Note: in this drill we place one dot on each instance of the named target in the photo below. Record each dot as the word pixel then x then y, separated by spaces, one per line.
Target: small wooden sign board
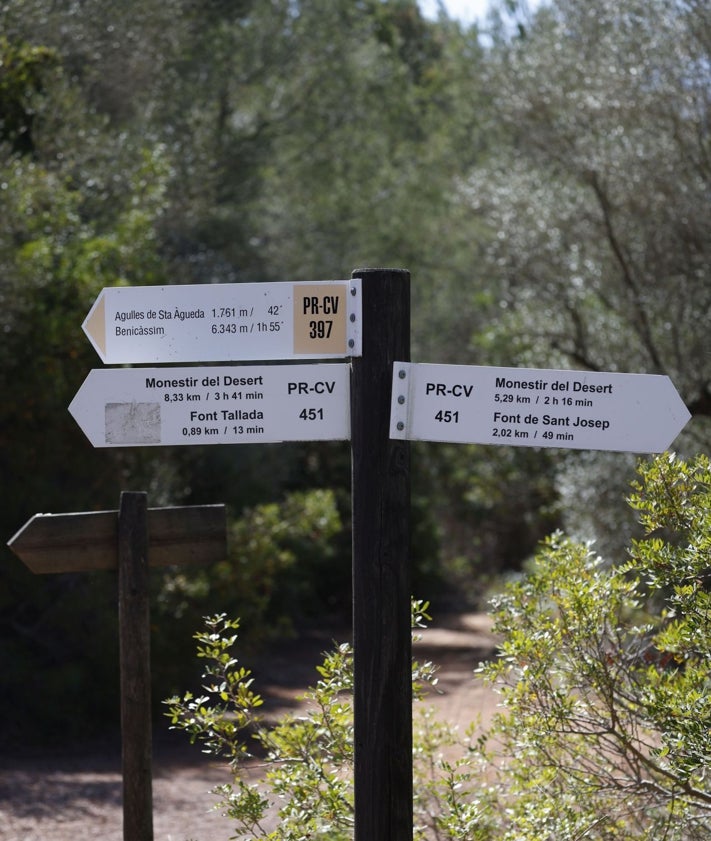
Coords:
pixel 86 541
pixel 129 540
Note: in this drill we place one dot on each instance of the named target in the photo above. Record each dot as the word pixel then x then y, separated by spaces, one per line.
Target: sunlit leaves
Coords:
pixel 599 205
pixel 605 676
pixel 308 756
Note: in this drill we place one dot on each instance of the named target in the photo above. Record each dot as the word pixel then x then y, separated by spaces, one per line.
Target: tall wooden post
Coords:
pixel 381 568
pixel 134 653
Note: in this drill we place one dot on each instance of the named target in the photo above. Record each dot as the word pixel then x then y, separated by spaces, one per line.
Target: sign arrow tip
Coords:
pixel 95 326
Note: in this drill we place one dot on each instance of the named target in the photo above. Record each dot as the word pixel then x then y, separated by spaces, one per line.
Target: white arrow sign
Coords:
pixel 143 407
pixel 528 407
pixel 226 322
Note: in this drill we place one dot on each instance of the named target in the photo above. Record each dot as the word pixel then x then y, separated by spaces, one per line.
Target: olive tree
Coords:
pixel 598 206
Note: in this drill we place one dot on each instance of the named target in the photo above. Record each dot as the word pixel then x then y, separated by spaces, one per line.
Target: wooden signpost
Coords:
pixel 382 641
pixel 389 402
pixel 129 540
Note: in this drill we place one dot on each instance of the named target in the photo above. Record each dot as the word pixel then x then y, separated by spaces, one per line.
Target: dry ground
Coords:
pixel 71 796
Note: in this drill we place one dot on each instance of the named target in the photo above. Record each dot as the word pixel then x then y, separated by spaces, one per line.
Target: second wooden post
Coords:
pixel 135 658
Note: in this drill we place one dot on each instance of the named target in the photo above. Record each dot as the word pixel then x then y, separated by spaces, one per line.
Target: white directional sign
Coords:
pixel 528 407
pixel 226 322
pixel 126 407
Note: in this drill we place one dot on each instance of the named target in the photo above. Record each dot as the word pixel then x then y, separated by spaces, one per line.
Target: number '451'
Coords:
pixel 311 414
pixel 446 416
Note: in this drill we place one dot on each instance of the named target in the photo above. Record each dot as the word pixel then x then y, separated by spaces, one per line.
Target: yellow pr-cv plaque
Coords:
pixel 320 319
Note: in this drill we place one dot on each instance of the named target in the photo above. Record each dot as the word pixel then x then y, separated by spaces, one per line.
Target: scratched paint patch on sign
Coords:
pixel 132 423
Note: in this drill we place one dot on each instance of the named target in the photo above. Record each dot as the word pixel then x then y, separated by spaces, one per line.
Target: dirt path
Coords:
pixel 63 797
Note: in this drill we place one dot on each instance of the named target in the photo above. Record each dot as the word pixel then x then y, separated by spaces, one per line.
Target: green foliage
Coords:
pixel 228 688
pixel 596 200
pixel 56 253
pixel 281 556
pixel 309 757
pixel 604 674
pixel 599 240
pixel 279 574
pixel 492 506
pixel 22 71
pixel 674 560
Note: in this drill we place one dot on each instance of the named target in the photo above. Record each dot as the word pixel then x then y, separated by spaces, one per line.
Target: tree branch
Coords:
pixel 642 321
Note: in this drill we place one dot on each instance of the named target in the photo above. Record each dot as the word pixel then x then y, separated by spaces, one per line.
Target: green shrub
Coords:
pixel 605 729
pixel 606 677
pixel 309 756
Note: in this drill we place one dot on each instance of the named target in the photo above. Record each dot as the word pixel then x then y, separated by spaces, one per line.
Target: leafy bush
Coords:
pixel 309 757
pixel 279 568
pixel 605 675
